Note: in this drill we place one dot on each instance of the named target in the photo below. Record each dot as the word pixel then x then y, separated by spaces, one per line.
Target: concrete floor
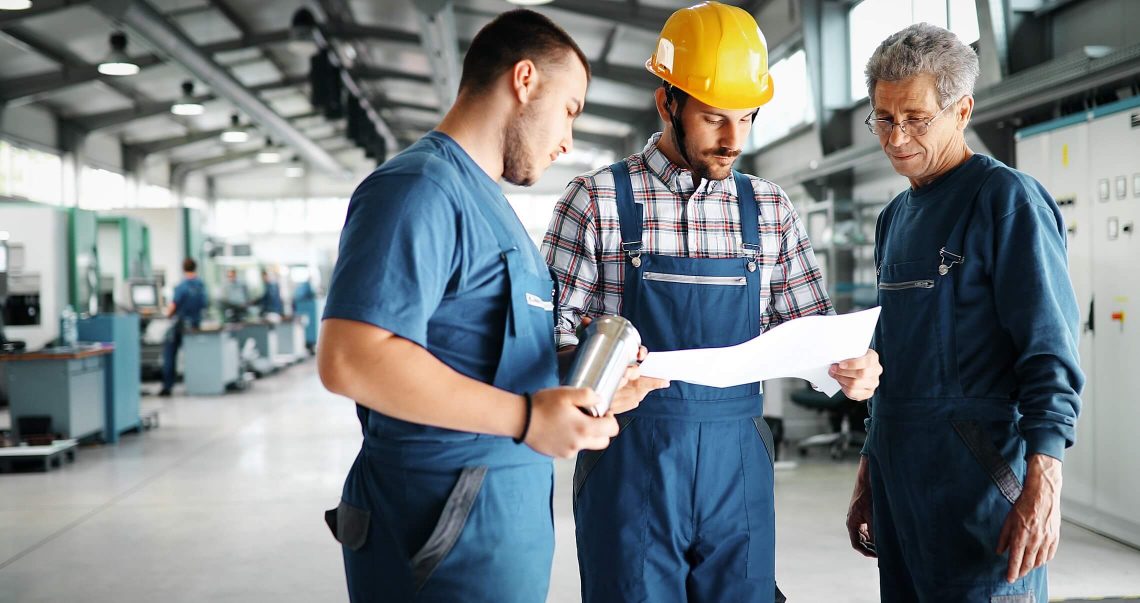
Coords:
pixel 224 502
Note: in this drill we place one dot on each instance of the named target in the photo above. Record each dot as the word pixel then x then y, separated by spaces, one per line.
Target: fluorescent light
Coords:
pixel 235 134
pixel 15 4
pixel 187 109
pixel 117 62
pixel 187 105
pixel 118 68
pixel 295 169
pixel 268 156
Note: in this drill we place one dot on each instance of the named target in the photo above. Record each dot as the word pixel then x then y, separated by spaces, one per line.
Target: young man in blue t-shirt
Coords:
pixel 440 325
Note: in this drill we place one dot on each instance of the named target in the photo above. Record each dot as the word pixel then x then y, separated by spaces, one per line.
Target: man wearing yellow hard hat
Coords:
pixel 679 507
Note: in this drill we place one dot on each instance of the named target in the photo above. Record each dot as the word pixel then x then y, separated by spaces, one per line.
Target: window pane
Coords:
pixel 260 217
pixel 230 217
pixel 964 20
pixel 290 216
pixel 151 195
pixel 927 11
pixel 326 214
pixel 31 174
pixel 534 212
pixel 868 24
pixel 791 106
pixel 101 189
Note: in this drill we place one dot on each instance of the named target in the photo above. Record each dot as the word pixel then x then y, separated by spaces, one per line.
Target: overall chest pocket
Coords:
pixel 912 345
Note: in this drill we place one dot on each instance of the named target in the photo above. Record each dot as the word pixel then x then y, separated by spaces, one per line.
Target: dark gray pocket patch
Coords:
pixel 450 524
pixel 349 525
pixel 976 439
pixel 588 458
pixel 1019 598
pixel 766 436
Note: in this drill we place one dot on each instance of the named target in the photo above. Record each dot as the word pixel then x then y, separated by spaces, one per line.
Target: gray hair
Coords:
pixel 925 48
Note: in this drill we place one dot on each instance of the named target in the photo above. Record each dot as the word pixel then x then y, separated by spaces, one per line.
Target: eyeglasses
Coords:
pixel 910 127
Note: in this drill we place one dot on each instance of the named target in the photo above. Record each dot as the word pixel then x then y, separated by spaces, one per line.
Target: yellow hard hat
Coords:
pixel 717 54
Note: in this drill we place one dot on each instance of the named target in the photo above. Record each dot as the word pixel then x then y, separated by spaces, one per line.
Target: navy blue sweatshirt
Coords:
pixel 1016 317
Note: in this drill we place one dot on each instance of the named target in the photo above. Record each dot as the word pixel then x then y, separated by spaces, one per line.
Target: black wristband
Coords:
pixel 526 425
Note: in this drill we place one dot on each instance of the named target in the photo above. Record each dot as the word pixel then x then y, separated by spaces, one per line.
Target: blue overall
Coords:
pixel 270 300
pixel 430 514
pixel 190 301
pixel 945 468
pixel 305 304
pixel 679 507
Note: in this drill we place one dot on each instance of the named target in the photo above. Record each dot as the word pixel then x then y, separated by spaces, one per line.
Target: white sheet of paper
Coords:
pixel 804 348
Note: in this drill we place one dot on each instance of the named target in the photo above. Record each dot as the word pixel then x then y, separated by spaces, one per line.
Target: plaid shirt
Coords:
pixel 583 241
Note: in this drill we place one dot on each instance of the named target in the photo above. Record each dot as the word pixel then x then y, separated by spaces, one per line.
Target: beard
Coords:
pixel 706 165
pixel 517 166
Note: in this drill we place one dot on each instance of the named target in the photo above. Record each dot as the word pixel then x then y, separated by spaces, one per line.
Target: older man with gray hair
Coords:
pixel 958 490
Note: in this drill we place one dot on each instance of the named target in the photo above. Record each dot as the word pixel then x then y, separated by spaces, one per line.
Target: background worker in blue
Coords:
pixel 185 309
pixel 439 324
pixel 270 300
pixel 679 507
pixel 958 490
pixel 305 304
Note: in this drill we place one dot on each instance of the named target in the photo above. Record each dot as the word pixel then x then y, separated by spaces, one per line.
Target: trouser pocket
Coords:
pixel 587 459
pixel 449 526
pixel 349 525
pixel 974 435
pixel 766 437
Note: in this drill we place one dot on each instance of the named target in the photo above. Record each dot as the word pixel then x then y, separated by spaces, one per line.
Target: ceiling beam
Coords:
pixel 641 16
pixel 30 88
pixel 141 18
pixel 438 37
pixel 67 61
pixel 39 9
pixel 239 22
pixel 110 119
pixel 162 145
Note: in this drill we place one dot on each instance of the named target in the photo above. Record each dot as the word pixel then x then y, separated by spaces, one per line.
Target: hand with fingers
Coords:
pixel 1032 529
pixel 859 527
pixel 858 377
pixel 634 387
pixel 559 428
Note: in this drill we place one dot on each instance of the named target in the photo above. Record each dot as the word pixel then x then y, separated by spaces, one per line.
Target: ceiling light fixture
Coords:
pixel 235 134
pixel 15 4
pixel 187 105
pixel 117 62
pixel 295 169
pixel 269 154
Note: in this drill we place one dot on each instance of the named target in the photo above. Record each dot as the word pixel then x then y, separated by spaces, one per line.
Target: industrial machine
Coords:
pixel 52 263
pixel 1090 162
pixel 5 344
pixel 124 254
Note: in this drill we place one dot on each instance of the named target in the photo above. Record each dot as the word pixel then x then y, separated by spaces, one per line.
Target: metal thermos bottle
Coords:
pixel 606 347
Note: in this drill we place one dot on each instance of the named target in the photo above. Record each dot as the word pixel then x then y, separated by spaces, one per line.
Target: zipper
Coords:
pixel 921 284
pixel 730 281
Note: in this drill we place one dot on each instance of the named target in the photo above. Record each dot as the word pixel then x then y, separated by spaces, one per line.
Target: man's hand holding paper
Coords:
pixel 829 351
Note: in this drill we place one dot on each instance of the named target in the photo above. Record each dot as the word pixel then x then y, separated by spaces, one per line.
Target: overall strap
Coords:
pixel 630 214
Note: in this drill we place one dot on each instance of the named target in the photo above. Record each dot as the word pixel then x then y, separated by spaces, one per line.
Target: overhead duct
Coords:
pixel 146 22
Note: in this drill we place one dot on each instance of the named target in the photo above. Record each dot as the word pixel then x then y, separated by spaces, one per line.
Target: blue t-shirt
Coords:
pixel 418 258
pixel 1015 312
